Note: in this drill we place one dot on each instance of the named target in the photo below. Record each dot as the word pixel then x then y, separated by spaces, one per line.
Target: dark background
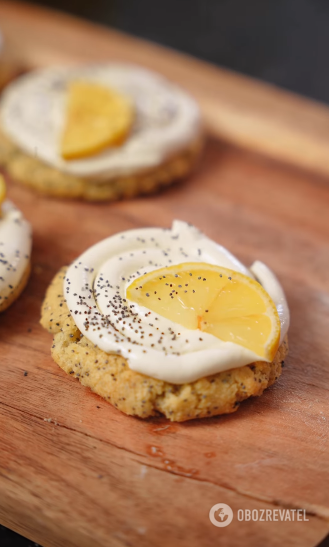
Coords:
pixel 284 42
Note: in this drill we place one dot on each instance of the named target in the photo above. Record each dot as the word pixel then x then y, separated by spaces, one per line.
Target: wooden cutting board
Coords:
pixel 74 471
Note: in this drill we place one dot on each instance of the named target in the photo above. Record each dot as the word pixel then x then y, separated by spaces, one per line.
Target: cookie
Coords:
pixel 15 250
pixel 145 362
pixel 162 145
pixel 14 293
pixel 136 394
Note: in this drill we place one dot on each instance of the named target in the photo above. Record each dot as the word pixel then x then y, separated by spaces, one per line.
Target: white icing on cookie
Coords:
pixel 95 290
pixel 167 119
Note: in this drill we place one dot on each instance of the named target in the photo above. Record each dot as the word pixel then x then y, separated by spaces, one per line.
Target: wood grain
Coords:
pixel 74 471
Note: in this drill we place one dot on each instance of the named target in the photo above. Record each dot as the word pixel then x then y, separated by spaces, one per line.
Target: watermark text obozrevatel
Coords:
pixel 221 515
pixel 273 515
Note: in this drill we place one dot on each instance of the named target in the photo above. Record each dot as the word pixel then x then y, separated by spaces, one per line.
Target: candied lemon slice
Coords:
pixel 2 190
pixel 219 301
pixel 96 117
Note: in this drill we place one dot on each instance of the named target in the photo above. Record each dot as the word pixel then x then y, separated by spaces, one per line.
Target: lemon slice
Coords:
pixel 96 117
pixel 2 190
pixel 219 301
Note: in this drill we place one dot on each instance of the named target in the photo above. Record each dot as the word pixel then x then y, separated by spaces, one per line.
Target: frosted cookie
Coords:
pixel 15 249
pixel 99 132
pixel 168 321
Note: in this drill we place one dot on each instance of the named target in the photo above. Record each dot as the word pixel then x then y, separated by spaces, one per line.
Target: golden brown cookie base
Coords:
pixel 139 395
pixel 5 303
pixel 47 180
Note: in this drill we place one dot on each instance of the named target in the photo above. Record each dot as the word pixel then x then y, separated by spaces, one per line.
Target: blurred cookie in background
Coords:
pixel 98 132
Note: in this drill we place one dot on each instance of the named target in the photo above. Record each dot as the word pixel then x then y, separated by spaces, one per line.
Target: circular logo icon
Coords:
pixel 221 515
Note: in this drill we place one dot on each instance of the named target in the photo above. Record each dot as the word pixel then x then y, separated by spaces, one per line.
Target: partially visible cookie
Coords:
pixel 162 145
pixel 8 297
pixel 135 394
pixel 15 249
